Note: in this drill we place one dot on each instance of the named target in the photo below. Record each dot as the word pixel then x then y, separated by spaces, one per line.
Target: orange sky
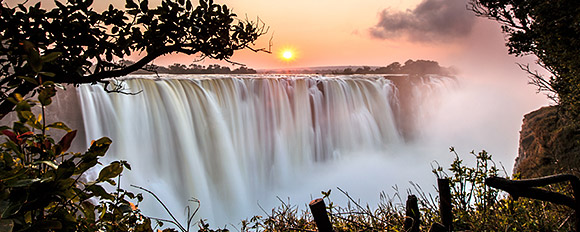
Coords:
pixel 338 32
pixel 327 32
pixel 367 32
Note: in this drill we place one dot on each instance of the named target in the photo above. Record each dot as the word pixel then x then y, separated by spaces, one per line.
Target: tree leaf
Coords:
pixel 59 4
pixel 26 116
pixel 47 162
pixel 29 79
pixel 59 125
pixel 188 5
pixel 32 56
pixel 100 147
pixel 45 96
pixel 99 191
pixel 130 4
pixel 86 164
pixel 88 210
pixel 48 225
pixel 144 5
pixel 9 208
pixel 126 164
pixel 23 183
pixel 113 170
pixel 65 170
pixel 66 140
pixel 50 57
pixel 11 135
pixel 47 74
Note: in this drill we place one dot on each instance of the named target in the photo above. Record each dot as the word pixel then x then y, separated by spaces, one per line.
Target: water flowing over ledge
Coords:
pixel 226 139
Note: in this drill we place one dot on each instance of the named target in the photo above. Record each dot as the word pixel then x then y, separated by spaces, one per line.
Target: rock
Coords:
pixel 548 145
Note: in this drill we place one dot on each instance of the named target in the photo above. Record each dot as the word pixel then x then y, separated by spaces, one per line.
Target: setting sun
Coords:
pixel 287 55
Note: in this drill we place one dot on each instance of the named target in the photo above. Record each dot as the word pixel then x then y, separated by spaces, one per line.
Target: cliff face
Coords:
pixel 548 145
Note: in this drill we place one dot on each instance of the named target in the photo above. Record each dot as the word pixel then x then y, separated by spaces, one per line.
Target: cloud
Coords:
pixel 430 21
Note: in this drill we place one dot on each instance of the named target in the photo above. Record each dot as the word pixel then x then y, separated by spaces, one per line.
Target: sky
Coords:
pixel 367 32
pixel 364 32
pixel 361 32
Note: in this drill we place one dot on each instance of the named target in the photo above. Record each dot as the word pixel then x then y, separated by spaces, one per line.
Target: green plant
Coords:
pixel 43 186
pixel 471 198
pixel 477 207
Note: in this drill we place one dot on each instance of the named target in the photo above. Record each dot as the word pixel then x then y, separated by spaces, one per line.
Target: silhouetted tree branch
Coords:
pixel 79 45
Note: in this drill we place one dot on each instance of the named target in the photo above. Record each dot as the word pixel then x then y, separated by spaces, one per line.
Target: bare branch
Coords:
pixel 117 88
pixel 543 84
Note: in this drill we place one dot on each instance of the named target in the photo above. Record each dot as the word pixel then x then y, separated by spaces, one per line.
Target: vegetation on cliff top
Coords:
pixel 193 68
pixel 412 67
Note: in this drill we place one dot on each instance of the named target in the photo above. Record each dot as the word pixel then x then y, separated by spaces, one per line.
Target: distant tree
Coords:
pixel 551 31
pixel 196 66
pixel 421 67
pixel 363 70
pixel 348 71
pixel 177 68
pixel 74 44
pixel 244 70
pixel 394 67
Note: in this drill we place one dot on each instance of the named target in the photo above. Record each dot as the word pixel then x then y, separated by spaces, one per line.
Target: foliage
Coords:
pixel 551 31
pixel 478 207
pixel 43 187
pixel 193 68
pixel 418 67
pixel 468 192
pixel 89 43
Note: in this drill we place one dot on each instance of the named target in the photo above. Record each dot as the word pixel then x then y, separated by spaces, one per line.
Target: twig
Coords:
pixel 164 206
pixel 360 207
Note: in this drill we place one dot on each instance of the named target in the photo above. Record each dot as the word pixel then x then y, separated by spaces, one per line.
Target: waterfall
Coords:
pixel 226 140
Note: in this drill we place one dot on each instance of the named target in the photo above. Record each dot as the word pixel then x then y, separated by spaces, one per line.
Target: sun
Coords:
pixel 287 55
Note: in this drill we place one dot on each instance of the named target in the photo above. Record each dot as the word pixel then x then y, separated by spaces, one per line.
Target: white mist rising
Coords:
pixel 238 143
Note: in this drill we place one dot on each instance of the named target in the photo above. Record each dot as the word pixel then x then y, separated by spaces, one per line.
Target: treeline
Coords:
pixel 419 67
pixel 177 68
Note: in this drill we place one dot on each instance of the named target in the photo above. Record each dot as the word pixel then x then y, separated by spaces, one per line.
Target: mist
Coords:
pixel 476 114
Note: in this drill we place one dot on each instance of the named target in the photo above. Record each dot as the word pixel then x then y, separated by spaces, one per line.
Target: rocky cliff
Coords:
pixel 548 145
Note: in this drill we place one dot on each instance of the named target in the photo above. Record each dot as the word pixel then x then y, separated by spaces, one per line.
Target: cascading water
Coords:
pixel 229 140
